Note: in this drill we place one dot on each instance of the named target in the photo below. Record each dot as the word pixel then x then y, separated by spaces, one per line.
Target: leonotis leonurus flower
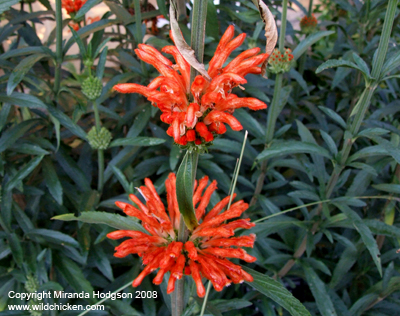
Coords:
pixel 72 6
pixel 196 112
pixel 280 62
pixel 308 24
pixel 209 244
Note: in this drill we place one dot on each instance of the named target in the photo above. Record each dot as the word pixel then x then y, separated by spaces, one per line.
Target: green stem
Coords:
pixel 198 26
pixel 310 5
pixel 100 152
pixel 383 43
pixel 282 34
pixel 33 23
pixel 139 35
pixel 203 307
pixel 57 75
pixel 274 109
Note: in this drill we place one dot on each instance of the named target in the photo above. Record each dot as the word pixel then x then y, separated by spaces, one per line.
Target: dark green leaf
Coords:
pixel 365 233
pixel 184 188
pixel 102 63
pixel 362 65
pixel 121 178
pixel 72 170
pixel 85 8
pixel 23 99
pixel 54 237
pixel 283 148
pixel 274 290
pixel 231 304
pixel 334 116
pixel 23 173
pixel 6 4
pixel 67 122
pixel 112 220
pixel 381 228
pixel 137 141
pixel 52 182
pixel 72 273
pixel 87 30
pixel 20 71
pixel 308 41
pixel 337 63
pixel 212 25
pixel 16 248
pixel 78 41
pixel 388 187
pixel 319 292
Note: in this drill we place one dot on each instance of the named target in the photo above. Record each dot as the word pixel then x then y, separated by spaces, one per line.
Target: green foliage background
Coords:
pixel 338 257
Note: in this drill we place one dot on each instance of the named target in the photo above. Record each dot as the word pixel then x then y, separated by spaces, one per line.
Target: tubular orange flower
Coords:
pixel 184 107
pixel 205 252
pixel 72 6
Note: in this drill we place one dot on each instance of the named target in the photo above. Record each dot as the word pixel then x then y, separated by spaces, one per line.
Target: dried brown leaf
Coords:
pixel 271 32
pixel 186 51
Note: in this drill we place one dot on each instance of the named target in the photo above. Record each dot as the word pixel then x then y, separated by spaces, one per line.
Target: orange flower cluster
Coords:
pixel 199 111
pixel 308 24
pixel 206 251
pixel 72 6
pixel 280 62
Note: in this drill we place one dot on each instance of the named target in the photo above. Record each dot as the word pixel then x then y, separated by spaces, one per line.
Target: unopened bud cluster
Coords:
pixel 31 284
pixel 92 88
pixel 280 62
pixel 308 24
pixel 99 140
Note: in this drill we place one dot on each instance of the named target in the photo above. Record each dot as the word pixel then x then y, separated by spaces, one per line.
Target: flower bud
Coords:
pixel 308 24
pixel 280 62
pixel 31 284
pixel 88 62
pixel 99 140
pixel 92 88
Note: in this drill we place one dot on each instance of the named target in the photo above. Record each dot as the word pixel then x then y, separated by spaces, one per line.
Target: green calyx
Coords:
pixel 99 139
pixel 92 88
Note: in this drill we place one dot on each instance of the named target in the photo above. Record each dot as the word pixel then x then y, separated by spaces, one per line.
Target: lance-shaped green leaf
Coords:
pixel 54 237
pixel 9 137
pixel 52 182
pixel 284 148
pixel 112 220
pixel 136 141
pixel 86 7
pixel 308 41
pixel 275 291
pixel 23 100
pixel 319 291
pixel 6 4
pixel 365 234
pixel 332 63
pixel 23 173
pixel 184 188
pixel 20 71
